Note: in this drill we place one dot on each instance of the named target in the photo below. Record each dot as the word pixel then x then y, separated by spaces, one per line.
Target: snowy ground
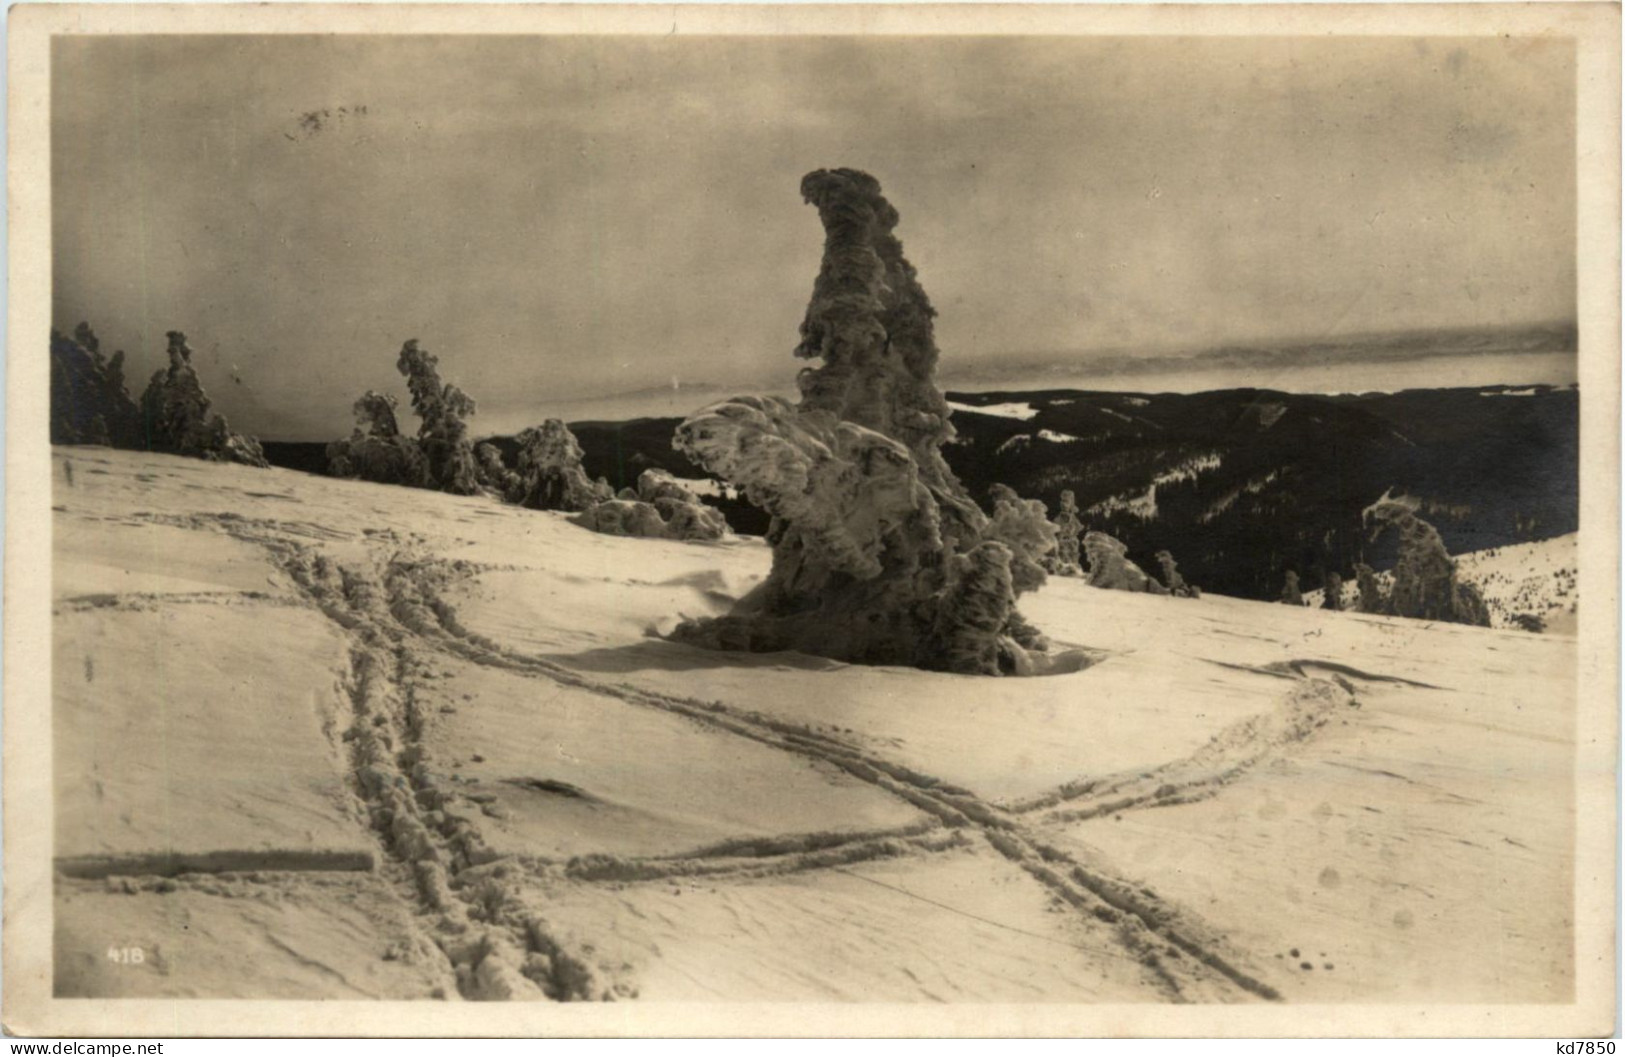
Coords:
pixel 400 744
pixel 1538 580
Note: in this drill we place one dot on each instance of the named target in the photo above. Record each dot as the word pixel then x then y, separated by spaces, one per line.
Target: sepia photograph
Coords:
pixel 1024 513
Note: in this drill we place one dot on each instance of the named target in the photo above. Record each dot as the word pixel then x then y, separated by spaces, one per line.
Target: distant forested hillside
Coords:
pixel 1240 484
pixel 1244 484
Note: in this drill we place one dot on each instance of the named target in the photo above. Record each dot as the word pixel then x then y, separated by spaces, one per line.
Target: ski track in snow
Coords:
pixel 485 912
pixel 392 612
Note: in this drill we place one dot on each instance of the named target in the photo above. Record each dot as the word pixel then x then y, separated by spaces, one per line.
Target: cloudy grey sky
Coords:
pixel 558 217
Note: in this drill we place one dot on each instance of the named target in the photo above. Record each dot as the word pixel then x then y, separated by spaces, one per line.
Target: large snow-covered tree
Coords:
pixel 89 401
pixel 177 416
pixel 879 554
pixel 444 411
pixel 1426 582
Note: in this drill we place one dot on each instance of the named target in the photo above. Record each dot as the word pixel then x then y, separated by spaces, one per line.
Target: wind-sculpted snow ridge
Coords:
pixel 1174 580
pixel 1291 593
pixel 178 419
pixel 879 554
pixel 659 508
pixel 1066 561
pixel 1109 566
pixel 89 403
pixel 1426 584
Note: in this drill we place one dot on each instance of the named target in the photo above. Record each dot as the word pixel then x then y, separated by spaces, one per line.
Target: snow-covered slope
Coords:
pixel 1527 580
pixel 1537 579
pixel 389 742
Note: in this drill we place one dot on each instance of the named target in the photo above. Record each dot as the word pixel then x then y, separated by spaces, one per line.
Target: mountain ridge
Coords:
pixel 1239 484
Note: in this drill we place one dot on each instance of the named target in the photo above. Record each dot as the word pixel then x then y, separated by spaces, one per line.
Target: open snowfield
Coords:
pixel 401 744
pixel 1533 578
pixel 1519 581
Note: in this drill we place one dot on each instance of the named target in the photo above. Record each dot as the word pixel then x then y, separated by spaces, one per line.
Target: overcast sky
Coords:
pixel 567 216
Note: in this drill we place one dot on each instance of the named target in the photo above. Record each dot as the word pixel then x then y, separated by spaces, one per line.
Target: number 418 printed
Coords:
pixel 126 955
